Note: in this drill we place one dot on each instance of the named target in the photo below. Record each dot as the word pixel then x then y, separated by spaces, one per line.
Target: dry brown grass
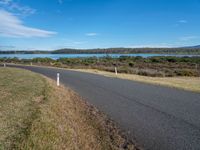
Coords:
pixel 17 106
pixel 185 83
pixel 52 118
pixel 67 122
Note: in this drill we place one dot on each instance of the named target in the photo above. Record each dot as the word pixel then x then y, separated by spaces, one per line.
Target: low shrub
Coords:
pixel 151 73
pixel 186 72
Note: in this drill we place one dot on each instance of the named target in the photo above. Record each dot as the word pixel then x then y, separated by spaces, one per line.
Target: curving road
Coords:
pixel 159 118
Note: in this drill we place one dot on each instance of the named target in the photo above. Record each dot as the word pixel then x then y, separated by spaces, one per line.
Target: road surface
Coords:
pixel 159 118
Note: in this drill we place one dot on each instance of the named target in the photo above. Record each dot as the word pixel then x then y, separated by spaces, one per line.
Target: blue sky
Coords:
pixel 54 24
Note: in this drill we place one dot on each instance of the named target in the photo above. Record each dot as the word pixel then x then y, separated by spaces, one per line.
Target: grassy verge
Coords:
pixel 185 83
pixel 35 114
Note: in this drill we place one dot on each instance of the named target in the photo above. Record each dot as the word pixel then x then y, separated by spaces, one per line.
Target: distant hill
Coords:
pixel 197 46
pixel 183 50
pixel 130 51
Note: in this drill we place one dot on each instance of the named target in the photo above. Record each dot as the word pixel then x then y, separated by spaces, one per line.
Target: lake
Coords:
pixel 57 56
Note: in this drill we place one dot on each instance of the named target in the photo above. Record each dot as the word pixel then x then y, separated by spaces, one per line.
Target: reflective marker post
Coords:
pixel 4 65
pixel 116 70
pixel 58 79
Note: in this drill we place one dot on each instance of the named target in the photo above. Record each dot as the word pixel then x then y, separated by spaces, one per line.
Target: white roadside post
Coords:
pixel 4 65
pixel 31 64
pixel 116 70
pixel 58 79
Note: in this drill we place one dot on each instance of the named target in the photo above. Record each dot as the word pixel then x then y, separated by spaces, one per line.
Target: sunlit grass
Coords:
pixel 36 114
pixel 20 92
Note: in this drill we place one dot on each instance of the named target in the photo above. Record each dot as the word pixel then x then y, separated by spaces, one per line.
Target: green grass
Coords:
pixel 36 114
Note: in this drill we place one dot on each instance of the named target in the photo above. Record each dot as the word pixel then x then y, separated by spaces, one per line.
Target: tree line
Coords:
pixel 193 51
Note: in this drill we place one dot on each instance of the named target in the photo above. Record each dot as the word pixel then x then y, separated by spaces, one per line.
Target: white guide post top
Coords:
pixel 116 70
pixel 58 79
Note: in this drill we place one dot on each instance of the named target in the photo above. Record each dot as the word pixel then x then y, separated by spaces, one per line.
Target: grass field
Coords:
pixel 35 114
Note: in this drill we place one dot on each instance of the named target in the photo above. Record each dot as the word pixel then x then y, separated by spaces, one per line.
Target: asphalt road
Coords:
pixel 159 118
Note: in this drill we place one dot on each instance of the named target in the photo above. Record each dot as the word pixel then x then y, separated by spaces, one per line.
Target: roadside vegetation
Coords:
pixel 36 114
pixel 152 66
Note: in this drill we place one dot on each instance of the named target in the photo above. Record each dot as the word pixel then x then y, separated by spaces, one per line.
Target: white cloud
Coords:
pixel 183 21
pixel 12 26
pixel 188 38
pixel 91 34
pixel 180 23
pixel 12 6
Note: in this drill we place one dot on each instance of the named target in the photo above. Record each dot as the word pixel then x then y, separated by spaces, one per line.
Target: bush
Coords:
pixel 151 73
pixel 57 64
pixel 131 64
pixel 42 60
pixel 155 59
pixel 186 72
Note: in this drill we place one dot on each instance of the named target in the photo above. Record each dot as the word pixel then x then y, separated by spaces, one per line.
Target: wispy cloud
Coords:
pixel 12 26
pixel 60 1
pixel 188 38
pixel 12 6
pixel 182 21
pixel 6 46
pixel 5 2
pixel 91 34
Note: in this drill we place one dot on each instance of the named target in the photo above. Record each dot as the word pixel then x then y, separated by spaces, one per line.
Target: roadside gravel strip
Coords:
pixel 159 118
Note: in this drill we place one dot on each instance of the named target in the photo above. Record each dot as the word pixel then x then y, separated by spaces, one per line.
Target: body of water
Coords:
pixel 57 56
